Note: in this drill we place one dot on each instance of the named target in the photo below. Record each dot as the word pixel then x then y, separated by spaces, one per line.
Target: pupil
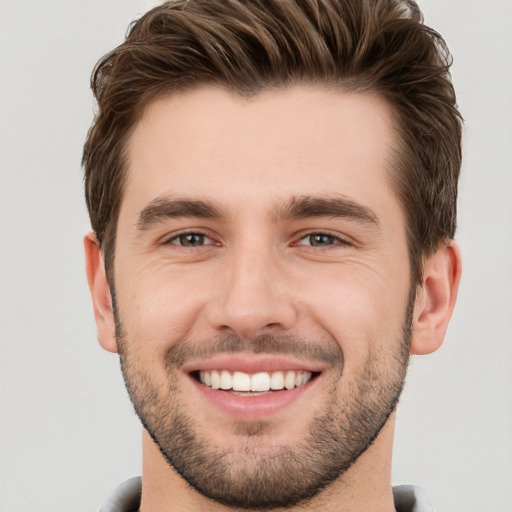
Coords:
pixel 191 240
pixel 321 239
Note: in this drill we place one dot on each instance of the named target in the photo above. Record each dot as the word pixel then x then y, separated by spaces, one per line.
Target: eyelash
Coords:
pixel 337 240
pixel 184 234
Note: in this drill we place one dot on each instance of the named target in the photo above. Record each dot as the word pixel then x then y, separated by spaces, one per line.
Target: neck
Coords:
pixel 365 487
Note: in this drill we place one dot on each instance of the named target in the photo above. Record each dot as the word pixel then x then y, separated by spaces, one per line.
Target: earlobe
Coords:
pixel 435 299
pixel 100 293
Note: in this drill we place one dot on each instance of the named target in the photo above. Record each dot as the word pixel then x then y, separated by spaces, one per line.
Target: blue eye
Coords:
pixel 319 240
pixel 191 240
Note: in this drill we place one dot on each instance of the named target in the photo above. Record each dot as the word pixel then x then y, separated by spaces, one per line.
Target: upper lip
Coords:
pixel 253 363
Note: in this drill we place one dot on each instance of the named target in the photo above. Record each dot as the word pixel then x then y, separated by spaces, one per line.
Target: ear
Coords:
pixel 100 293
pixel 435 299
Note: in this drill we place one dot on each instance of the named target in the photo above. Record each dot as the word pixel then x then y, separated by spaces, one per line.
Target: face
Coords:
pixel 262 287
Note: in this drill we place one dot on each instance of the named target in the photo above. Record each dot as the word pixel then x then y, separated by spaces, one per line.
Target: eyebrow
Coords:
pixel 306 207
pixel 303 207
pixel 167 208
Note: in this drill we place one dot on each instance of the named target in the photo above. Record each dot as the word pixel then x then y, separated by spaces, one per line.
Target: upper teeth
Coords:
pixel 262 381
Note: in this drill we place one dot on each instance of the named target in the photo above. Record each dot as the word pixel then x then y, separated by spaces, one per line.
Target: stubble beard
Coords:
pixel 250 475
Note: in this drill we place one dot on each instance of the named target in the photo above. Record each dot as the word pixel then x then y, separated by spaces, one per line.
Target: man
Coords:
pixel 272 188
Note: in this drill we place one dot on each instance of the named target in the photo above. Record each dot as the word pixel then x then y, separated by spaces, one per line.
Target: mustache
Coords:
pixel 284 345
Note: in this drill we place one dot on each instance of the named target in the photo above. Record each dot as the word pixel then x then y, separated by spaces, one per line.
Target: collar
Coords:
pixel 126 498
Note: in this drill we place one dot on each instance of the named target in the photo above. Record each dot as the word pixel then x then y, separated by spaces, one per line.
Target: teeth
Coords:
pixel 289 380
pixel 215 379
pixel 241 381
pixel 277 380
pixel 262 381
pixel 226 382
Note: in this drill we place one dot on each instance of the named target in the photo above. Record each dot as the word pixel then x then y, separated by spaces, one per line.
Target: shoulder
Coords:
pixel 411 498
pixel 125 497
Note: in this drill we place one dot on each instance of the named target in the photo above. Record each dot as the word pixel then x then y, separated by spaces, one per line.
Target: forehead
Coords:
pixel 278 144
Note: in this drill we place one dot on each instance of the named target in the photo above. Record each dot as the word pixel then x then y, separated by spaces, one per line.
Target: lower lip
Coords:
pixel 252 407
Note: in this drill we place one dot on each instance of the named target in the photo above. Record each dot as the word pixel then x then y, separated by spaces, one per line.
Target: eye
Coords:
pixel 321 240
pixel 191 240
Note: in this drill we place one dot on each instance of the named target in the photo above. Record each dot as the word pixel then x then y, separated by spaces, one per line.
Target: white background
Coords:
pixel 67 431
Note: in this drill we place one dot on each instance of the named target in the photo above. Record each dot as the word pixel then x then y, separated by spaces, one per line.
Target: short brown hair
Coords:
pixel 246 46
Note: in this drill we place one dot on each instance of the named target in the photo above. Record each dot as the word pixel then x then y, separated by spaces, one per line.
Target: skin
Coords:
pixel 257 272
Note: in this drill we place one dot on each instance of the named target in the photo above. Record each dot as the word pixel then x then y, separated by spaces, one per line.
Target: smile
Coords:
pixel 256 382
pixel 252 387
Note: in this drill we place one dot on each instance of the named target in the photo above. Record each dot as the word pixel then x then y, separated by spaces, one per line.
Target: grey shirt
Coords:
pixel 126 498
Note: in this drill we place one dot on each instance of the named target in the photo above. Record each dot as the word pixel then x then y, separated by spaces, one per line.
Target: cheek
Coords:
pixel 360 308
pixel 158 307
pixel 357 304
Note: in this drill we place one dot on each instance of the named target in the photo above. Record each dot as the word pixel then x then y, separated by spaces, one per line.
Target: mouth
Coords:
pixel 253 384
pixel 252 387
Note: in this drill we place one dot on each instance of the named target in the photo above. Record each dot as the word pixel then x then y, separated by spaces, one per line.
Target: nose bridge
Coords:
pixel 252 269
pixel 253 298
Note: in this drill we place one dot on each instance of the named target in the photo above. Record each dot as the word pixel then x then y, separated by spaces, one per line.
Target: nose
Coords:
pixel 253 297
